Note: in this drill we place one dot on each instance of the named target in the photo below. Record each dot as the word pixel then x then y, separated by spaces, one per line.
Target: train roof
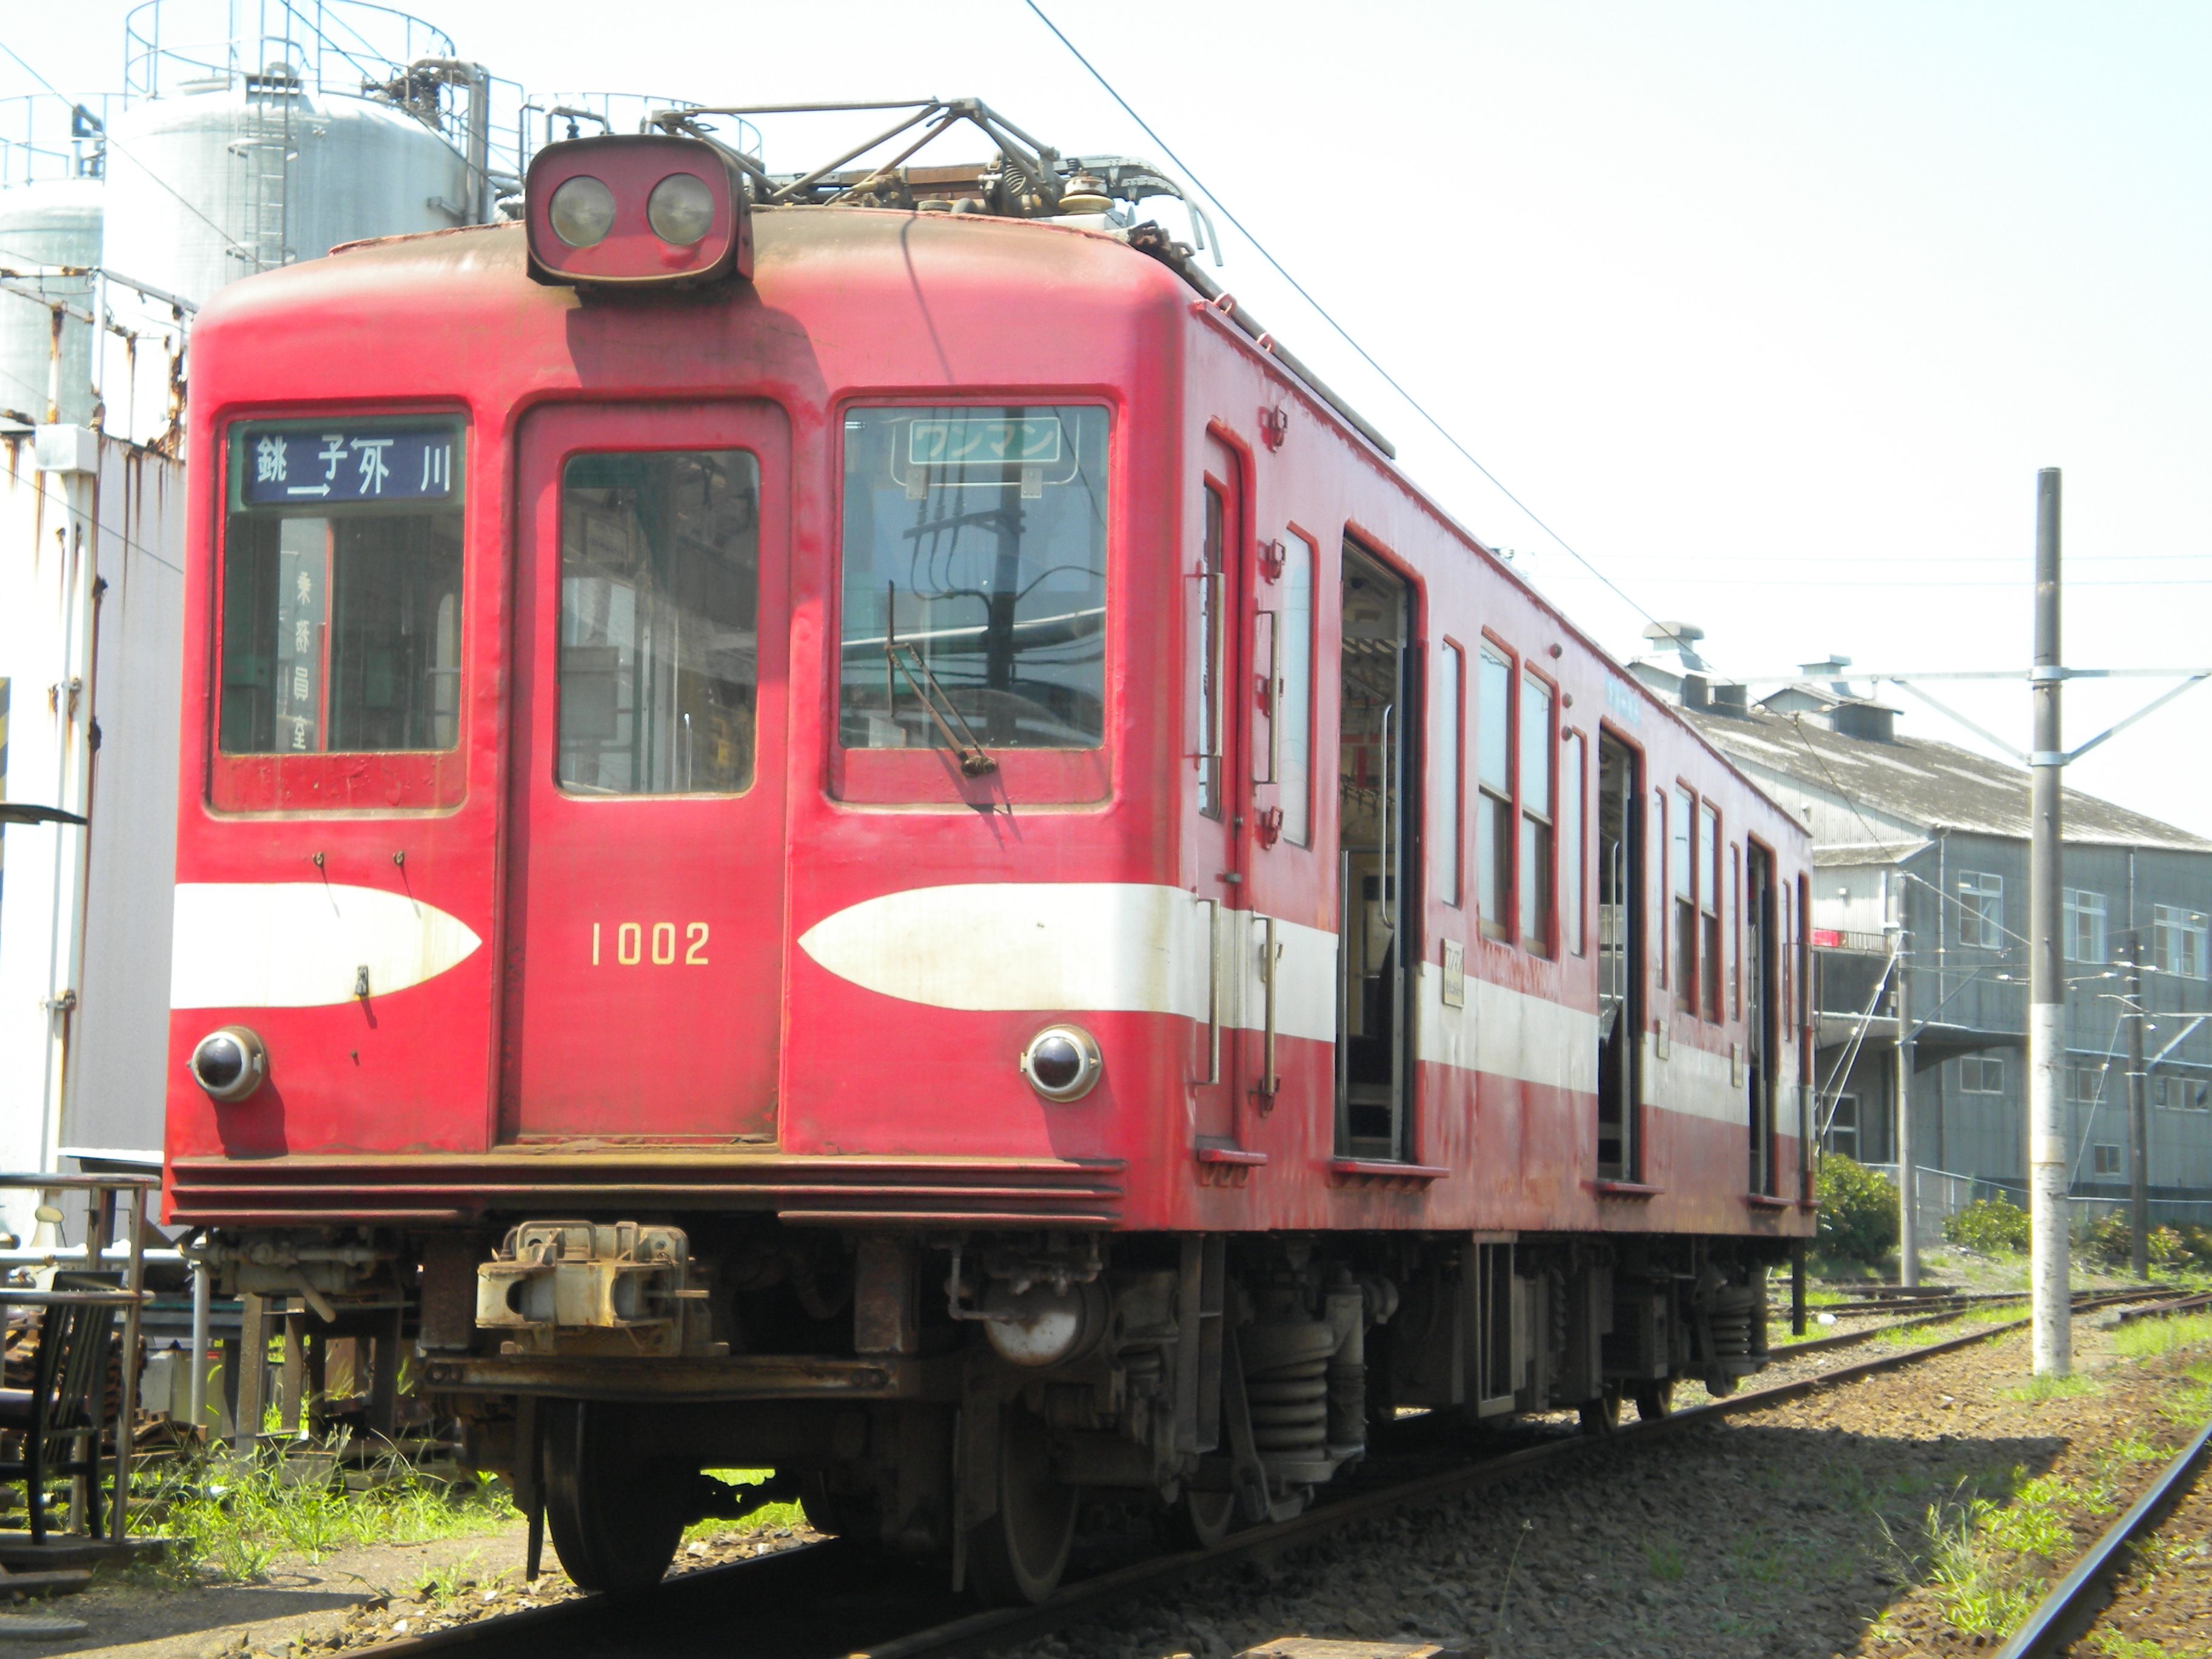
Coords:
pixel 793 243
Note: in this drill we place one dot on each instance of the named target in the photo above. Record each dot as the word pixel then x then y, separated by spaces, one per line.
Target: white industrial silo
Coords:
pixel 231 175
pixel 48 223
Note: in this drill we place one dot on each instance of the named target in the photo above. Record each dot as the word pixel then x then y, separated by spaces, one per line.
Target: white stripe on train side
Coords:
pixel 1086 947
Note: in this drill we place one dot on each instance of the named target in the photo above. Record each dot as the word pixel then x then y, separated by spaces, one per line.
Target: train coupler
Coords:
pixel 583 1287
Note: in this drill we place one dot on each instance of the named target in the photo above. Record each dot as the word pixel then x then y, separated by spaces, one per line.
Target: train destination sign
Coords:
pixel 339 462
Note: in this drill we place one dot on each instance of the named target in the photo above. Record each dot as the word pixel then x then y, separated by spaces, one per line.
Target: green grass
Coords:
pixel 768 1515
pixel 2038 1390
pixel 230 1520
pixel 2147 1338
pixel 2111 1644
pixel 1980 1591
pixel 1665 1562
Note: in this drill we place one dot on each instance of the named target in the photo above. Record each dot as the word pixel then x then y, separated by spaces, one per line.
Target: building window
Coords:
pixel 2181 940
pixel 1493 824
pixel 1682 881
pixel 2107 1158
pixel 1981 910
pixel 1573 857
pixel 1981 1075
pixel 2085 926
pixel 1451 741
pixel 1843 1135
pixel 1536 820
pixel 2085 1085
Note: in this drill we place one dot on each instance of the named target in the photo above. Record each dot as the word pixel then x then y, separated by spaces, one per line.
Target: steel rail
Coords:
pixel 786 1571
pixel 2067 1611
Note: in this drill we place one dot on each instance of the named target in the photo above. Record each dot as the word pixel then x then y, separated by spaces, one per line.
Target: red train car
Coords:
pixel 863 838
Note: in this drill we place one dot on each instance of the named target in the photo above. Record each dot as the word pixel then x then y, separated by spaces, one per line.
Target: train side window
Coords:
pixel 1212 563
pixel 1493 829
pixel 1574 766
pixel 1294 728
pixel 659 641
pixel 1682 881
pixel 1709 904
pixel 1444 807
pixel 1735 929
pixel 1537 826
pixel 341 589
pixel 975 577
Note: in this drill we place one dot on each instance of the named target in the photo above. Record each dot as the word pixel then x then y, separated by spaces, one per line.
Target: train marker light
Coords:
pixel 645 209
pixel 681 208
pixel 229 1064
pixel 582 211
pixel 1062 1062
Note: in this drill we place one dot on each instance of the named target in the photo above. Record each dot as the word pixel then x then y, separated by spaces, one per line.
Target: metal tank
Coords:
pixel 230 176
pixel 48 222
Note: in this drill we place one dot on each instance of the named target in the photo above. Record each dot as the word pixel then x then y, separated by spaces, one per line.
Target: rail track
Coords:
pixel 2073 1604
pixel 835 1598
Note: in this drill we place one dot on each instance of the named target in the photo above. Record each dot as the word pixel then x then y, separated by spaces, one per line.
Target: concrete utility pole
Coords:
pixel 1908 1168
pixel 2138 1118
pixel 2049 1266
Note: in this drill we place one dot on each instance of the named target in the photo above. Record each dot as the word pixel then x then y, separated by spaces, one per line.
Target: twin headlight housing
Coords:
pixel 643 210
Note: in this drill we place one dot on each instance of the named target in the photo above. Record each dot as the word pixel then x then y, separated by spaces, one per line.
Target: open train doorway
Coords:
pixel 1620 957
pixel 1378 848
pixel 1760 1017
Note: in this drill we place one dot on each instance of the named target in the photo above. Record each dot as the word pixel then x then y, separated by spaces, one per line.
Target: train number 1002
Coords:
pixel 638 942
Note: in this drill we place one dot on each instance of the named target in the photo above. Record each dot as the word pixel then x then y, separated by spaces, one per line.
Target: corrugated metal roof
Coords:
pixel 1936 784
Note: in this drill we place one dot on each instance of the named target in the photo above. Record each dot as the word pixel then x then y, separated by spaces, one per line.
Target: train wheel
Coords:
pixel 1602 1414
pixel 1016 1557
pixel 850 1516
pixel 1655 1400
pixel 616 1522
pixel 1198 1520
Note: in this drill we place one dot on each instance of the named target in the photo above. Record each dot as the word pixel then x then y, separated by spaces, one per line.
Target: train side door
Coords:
pixel 1219 575
pixel 1762 1018
pixel 1379 851
pixel 645 817
pixel 1621 956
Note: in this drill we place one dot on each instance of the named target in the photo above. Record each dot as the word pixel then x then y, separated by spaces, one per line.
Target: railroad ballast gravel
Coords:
pixel 1797 1529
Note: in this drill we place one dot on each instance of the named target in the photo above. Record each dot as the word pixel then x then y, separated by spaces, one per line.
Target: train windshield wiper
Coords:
pixel 975 759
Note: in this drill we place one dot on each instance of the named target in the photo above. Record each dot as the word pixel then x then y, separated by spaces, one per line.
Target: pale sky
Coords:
pixel 1772 310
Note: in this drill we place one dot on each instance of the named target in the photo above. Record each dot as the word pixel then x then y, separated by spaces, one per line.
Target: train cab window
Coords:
pixel 1536 816
pixel 1682 881
pixel 1709 905
pixel 659 641
pixel 1493 823
pixel 341 589
pixel 973 577
pixel 1294 793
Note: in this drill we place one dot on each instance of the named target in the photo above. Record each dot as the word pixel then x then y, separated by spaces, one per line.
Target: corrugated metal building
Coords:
pixel 1935 838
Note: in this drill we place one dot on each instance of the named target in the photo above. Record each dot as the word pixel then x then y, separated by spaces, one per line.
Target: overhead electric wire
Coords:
pixel 1343 333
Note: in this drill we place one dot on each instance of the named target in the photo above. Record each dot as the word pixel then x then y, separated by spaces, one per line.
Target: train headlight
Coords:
pixel 681 208
pixel 644 209
pixel 229 1064
pixel 582 211
pixel 1062 1062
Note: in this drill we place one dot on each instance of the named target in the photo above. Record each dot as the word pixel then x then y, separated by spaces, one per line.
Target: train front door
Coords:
pixel 646 806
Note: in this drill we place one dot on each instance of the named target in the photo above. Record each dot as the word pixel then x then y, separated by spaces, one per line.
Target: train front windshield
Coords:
pixel 974 572
pixel 341 589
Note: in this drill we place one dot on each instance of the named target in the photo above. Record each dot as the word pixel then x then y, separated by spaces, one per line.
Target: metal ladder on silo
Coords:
pixel 264 148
